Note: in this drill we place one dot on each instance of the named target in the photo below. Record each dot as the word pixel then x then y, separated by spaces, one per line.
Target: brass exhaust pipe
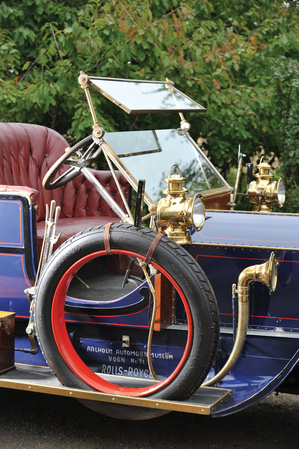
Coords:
pixel 265 273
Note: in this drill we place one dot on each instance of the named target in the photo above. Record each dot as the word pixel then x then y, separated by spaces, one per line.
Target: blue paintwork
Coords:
pixel 251 388
pixel 13 281
pixel 223 258
pixel 228 242
pixel 11 231
pixel 131 362
pixel 249 228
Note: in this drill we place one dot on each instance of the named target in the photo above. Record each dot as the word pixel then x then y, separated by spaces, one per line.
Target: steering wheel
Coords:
pixel 84 157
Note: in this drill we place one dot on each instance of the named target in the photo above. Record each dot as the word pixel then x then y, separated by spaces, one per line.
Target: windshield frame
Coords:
pixel 144 107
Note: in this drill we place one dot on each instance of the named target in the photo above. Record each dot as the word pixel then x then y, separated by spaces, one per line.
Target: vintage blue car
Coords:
pixel 140 290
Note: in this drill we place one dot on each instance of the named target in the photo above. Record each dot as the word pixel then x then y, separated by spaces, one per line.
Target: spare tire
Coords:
pixel 186 276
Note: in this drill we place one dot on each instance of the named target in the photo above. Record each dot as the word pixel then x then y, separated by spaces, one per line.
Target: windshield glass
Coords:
pixel 137 97
pixel 150 154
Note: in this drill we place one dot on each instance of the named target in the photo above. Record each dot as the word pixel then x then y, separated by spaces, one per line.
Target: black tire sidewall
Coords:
pixel 179 264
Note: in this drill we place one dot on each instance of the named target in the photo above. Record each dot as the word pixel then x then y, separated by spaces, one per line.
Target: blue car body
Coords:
pixel 229 242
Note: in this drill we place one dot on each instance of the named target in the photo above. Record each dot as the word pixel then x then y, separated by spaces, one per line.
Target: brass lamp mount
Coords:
pixel 175 184
pixel 264 193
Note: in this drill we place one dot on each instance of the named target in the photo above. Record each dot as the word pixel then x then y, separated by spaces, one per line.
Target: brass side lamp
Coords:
pixel 264 193
pixel 178 210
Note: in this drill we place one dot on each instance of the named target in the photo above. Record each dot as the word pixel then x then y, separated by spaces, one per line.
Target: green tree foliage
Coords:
pixel 286 108
pixel 220 53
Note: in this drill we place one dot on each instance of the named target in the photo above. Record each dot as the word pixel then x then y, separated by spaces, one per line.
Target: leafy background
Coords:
pixel 239 59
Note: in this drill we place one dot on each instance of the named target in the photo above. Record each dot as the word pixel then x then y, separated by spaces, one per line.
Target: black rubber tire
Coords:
pixel 181 267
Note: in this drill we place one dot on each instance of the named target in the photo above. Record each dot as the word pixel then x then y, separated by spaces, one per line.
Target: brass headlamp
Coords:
pixel 179 210
pixel 264 193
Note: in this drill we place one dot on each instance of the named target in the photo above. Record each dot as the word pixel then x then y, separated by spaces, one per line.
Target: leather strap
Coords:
pixel 150 252
pixel 107 238
pixel 152 248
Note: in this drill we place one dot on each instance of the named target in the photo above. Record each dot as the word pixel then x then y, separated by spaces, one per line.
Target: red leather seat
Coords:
pixel 26 153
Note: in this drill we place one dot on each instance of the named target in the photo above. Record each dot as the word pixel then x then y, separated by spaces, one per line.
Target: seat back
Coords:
pixel 26 154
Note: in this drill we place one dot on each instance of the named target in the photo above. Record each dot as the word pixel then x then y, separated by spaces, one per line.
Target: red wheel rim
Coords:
pixel 70 355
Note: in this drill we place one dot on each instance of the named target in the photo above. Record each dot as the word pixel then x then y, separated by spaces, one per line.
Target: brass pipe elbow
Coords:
pixel 265 273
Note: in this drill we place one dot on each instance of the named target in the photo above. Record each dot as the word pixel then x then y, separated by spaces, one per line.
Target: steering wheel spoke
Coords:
pixel 78 156
pixel 65 177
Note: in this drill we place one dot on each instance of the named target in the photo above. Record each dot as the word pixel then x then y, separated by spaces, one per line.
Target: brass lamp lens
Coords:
pixel 281 193
pixel 198 213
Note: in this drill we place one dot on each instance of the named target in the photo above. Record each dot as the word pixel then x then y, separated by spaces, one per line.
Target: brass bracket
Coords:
pixel 84 82
pixel 30 329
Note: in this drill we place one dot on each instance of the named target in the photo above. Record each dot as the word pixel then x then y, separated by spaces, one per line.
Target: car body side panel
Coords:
pixel 248 392
pixel 249 229
pixel 228 243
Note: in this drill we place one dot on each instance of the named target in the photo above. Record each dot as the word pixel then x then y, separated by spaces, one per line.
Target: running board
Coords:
pixel 41 380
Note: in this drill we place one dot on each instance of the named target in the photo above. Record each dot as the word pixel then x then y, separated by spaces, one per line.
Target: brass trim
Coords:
pixel 230 245
pixel 85 82
pixel 263 333
pixel 180 406
pixel 214 192
pixel 263 192
pixel 167 83
pixel 265 273
pixel 243 313
pixel 170 83
pixel 271 214
pixel 175 211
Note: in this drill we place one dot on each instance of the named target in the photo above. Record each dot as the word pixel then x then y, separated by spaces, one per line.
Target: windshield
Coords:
pixel 137 97
pixel 150 154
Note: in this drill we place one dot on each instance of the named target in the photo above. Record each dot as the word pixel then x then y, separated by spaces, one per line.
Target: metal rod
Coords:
pixel 139 204
pixel 118 185
pixel 240 163
pixel 129 177
pixel 49 224
pixel 234 303
pixel 150 332
pixel 54 238
pixel 103 192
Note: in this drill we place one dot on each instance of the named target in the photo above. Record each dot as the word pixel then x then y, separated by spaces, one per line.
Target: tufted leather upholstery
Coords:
pixel 27 152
